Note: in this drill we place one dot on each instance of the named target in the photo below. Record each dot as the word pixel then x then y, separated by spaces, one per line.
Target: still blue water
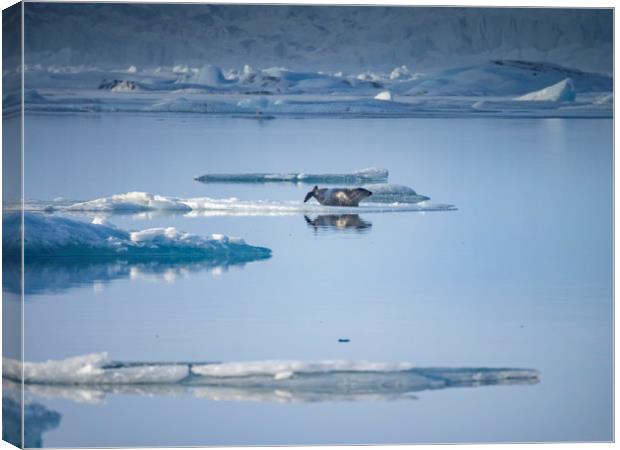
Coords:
pixel 519 276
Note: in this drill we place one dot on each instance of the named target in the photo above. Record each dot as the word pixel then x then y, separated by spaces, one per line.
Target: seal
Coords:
pixel 338 196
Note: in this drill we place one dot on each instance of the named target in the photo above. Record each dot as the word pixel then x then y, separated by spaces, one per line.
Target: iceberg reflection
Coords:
pixel 37 420
pixel 55 275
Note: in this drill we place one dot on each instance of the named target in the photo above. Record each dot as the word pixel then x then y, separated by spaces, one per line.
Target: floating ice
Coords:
pixel 255 103
pixel 52 236
pixel 209 75
pixel 368 175
pixel 290 368
pixel 400 199
pixel 564 91
pixel 384 95
pixel 94 368
pixel 131 201
pixel 97 375
pixel 501 78
pixel 390 193
pixel 179 104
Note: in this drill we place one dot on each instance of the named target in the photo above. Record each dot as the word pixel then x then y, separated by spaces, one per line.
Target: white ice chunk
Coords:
pixel 564 91
pixel 384 95
pixel 91 369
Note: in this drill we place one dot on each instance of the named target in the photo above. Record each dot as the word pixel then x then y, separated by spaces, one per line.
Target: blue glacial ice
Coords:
pixel 53 236
pixel 369 175
pixel 391 193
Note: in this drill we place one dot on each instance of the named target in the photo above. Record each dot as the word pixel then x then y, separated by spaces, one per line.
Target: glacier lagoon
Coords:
pixel 518 274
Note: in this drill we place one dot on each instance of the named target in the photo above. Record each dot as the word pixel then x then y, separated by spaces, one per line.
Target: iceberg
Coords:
pixel 564 91
pixel 263 380
pixel 501 78
pixel 368 175
pixel 54 236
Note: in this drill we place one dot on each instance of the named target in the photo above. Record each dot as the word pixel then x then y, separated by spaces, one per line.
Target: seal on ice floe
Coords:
pixel 338 196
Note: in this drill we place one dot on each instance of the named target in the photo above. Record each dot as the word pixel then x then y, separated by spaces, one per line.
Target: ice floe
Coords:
pixel 369 175
pixel 263 380
pixel 54 236
pixel 131 201
pixel 92 369
pixel 398 201
pixel 392 193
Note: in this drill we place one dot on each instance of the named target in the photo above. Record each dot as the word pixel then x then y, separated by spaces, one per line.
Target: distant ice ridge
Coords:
pixel 564 91
pixel 252 380
pixel 53 236
pixel 369 175
pixel 279 92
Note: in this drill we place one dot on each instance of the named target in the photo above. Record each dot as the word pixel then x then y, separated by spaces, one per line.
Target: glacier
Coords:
pixel 298 61
pixel 314 38
pixel 89 377
pixel 53 236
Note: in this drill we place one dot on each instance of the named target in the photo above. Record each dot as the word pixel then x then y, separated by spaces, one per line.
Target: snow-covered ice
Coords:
pixel 384 95
pixel 390 198
pixel 329 377
pixel 278 91
pixel 54 236
pixel 564 91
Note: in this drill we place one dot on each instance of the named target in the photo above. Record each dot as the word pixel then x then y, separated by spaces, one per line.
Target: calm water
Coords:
pixel 519 276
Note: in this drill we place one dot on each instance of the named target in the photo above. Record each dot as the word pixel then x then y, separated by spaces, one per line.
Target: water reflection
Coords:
pixel 37 420
pixel 56 275
pixel 339 222
pixel 322 388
